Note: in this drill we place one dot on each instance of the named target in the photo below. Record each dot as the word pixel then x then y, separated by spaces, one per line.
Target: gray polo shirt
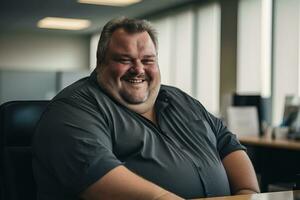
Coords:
pixel 84 133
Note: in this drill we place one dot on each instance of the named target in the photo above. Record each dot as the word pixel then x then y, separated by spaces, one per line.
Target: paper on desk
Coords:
pixel 243 120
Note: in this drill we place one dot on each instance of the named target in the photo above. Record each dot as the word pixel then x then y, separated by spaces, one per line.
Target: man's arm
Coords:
pixel 120 183
pixel 240 172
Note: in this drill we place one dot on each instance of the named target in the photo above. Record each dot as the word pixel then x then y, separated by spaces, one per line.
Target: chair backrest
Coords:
pixel 17 124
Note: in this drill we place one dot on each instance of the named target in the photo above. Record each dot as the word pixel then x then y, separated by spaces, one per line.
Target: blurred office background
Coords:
pixel 209 48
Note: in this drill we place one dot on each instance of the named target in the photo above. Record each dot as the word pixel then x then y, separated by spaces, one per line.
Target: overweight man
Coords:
pixel 119 134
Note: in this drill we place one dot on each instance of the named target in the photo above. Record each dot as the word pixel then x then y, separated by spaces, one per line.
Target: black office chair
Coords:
pixel 17 123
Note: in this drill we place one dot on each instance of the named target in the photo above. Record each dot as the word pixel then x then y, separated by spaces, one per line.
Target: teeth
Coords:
pixel 135 81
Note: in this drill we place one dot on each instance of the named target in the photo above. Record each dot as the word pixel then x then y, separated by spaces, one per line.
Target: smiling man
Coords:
pixel 129 71
pixel 120 134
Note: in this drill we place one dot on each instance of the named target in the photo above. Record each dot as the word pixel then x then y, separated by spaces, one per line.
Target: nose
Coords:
pixel 137 67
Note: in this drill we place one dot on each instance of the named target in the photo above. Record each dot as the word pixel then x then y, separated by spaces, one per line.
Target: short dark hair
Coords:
pixel 130 26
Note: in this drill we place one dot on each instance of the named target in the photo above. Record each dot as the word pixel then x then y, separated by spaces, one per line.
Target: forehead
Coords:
pixel 122 39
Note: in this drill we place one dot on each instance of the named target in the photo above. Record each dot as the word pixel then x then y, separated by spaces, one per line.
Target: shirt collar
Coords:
pixel 163 99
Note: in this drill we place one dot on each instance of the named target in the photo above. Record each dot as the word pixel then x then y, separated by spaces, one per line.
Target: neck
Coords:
pixel 150 115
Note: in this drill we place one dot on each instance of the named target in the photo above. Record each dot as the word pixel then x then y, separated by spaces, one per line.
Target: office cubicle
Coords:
pixel 34 85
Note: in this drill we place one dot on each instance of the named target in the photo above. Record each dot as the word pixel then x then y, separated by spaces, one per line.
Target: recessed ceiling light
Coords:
pixel 63 23
pixel 110 2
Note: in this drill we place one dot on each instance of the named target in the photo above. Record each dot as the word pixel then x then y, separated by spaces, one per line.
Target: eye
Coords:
pixel 124 60
pixel 148 61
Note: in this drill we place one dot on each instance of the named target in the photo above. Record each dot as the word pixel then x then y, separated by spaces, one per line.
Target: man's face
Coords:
pixel 130 72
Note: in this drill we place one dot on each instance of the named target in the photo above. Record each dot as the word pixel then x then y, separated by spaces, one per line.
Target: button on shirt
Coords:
pixel 84 133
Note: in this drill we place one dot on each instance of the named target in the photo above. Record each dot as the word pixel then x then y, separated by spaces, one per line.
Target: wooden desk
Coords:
pixel 287 195
pixel 276 160
pixel 267 141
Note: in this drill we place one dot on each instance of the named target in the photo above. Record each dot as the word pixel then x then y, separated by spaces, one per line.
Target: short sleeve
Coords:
pixel 73 142
pixel 227 142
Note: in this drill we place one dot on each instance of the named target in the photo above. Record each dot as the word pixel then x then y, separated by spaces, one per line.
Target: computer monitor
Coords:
pixel 291 111
pixel 291 116
pixel 250 100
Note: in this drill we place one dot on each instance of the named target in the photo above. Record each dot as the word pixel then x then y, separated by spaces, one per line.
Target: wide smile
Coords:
pixel 134 81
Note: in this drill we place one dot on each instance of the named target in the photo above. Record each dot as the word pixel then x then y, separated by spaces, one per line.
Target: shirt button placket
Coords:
pixel 206 189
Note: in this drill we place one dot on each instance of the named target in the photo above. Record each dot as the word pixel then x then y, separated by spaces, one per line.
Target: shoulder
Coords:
pixel 174 92
pixel 82 103
pixel 177 95
pixel 82 88
pixel 84 94
pixel 186 105
pixel 77 109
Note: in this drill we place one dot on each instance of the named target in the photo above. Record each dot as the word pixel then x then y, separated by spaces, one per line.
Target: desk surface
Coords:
pixel 287 195
pixel 267 141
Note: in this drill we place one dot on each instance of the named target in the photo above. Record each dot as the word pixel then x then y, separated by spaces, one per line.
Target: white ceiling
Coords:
pixel 22 15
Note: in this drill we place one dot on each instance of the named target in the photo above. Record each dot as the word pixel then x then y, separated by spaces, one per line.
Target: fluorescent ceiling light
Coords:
pixel 110 2
pixel 63 23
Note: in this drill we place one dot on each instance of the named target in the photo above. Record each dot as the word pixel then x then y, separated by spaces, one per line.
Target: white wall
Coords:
pixel 249 52
pixel 165 48
pixel 189 52
pixel 43 52
pixel 208 56
pixel 254 47
pixel 93 50
pixel 175 51
pixel 286 54
pixel 182 51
